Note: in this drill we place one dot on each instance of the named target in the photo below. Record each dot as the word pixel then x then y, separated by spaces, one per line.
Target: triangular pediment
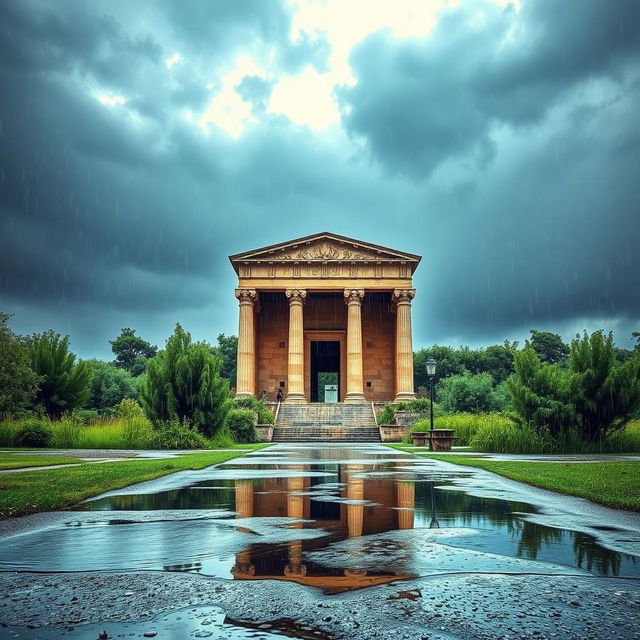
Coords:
pixel 325 247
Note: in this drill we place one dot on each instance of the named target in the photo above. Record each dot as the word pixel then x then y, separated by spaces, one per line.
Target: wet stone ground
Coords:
pixel 324 541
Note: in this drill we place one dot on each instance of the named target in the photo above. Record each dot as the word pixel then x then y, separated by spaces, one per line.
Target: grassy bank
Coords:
pixel 33 491
pixel 614 484
pixel 13 461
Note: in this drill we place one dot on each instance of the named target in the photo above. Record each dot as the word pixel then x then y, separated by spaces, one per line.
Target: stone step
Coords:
pixel 320 433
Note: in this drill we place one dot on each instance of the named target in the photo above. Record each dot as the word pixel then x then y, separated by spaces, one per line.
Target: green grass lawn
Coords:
pixel 13 461
pixel 33 491
pixel 614 484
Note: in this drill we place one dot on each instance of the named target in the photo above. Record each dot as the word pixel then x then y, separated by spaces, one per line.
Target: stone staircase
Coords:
pixel 318 422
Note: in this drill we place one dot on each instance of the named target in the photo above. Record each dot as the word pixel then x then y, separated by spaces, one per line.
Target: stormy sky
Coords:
pixel 144 142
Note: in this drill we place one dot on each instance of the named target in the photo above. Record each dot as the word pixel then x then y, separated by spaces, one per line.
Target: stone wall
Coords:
pixel 378 347
pixel 272 338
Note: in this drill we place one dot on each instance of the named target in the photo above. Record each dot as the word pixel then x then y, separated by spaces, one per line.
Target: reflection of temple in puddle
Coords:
pixel 365 506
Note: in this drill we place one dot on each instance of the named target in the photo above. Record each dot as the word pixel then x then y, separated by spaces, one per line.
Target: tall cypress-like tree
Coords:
pixel 595 395
pixel 541 394
pixel 64 384
pixel 183 381
pixel 607 393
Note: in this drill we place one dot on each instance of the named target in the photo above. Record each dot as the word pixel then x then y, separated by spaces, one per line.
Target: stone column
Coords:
pixel 246 376
pixel 355 382
pixel 404 346
pixel 295 392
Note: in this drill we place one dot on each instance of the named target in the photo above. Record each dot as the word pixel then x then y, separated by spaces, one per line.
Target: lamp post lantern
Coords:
pixel 431 372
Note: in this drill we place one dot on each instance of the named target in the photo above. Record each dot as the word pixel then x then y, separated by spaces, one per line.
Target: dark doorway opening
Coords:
pixel 325 367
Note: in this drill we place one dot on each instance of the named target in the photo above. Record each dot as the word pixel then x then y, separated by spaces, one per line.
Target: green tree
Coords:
pixel 607 394
pixel 448 359
pixel 549 346
pixel 132 351
pixel 64 384
pixel 472 393
pixel 541 393
pixel 110 384
pixel 18 381
pixel 636 335
pixel 497 360
pixel 183 381
pixel 227 349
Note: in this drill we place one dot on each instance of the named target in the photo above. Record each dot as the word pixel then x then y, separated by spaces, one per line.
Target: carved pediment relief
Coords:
pixel 325 251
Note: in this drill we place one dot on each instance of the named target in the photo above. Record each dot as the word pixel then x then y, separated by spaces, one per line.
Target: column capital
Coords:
pixel 403 296
pixel 353 296
pixel 247 296
pixel 296 296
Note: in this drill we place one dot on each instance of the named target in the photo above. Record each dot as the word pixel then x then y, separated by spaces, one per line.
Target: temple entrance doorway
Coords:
pixel 325 370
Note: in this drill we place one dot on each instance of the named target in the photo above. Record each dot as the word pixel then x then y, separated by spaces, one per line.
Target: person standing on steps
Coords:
pixel 279 396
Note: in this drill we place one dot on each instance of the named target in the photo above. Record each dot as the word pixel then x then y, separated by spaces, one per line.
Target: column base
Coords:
pixel 295 398
pixel 405 396
pixel 243 394
pixel 355 397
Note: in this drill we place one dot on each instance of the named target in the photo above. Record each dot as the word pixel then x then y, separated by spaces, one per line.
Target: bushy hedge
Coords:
pixel 34 433
pixel 174 434
pixel 255 404
pixel 417 405
pixel 240 423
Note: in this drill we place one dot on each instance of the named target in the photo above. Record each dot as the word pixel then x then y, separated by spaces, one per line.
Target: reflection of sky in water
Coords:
pixel 347 516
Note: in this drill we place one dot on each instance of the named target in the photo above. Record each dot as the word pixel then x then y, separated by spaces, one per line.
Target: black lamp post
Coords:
pixel 431 371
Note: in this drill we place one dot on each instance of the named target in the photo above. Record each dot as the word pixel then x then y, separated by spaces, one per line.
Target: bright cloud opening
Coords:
pixel 227 110
pixel 111 101
pixel 306 99
pixel 174 59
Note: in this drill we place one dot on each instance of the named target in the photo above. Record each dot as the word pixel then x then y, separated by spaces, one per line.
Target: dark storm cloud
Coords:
pixel 421 101
pixel 510 167
pixel 548 237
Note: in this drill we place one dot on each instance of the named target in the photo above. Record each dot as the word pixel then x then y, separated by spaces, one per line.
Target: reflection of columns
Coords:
pixel 246 376
pixel 295 503
pixel 244 499
pixel 404 347
pixel 355 383
pixel 295 566
pixel 295 509
pixel 296 345
pixel 244 509
pixel 405 501
pixel 355 491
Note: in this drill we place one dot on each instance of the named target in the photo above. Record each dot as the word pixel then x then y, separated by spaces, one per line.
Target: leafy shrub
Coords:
pixel 417 405
pixel 255 404
pixel 128 408
pixel 625 440
pixel 34 434
pixel 240 423
pixel 174 434
pixel 467 392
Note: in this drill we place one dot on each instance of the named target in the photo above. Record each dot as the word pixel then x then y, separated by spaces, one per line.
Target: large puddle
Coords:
pixel 332 517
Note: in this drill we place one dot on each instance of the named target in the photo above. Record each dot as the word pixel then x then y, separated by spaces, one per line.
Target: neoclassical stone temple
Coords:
pixel 325 304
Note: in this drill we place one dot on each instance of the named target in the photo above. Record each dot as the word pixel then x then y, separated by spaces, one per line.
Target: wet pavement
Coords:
pixel 324 541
